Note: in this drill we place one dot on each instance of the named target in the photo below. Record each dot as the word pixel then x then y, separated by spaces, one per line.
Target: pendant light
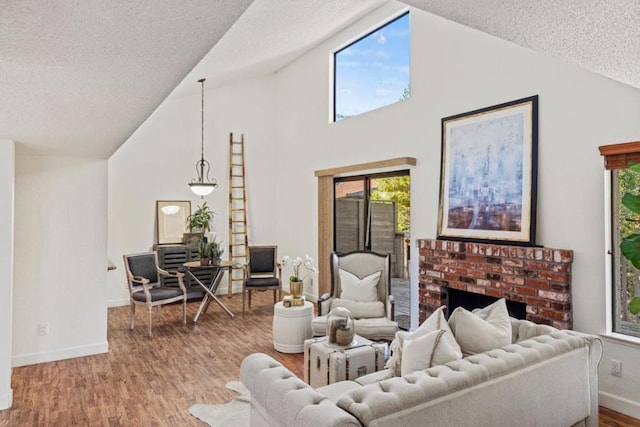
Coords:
pixel 203 186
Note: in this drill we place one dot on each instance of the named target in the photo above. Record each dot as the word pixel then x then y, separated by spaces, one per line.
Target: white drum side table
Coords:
pixel 291 326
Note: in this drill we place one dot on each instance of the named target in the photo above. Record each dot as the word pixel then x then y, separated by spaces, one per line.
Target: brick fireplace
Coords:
pixel 537 277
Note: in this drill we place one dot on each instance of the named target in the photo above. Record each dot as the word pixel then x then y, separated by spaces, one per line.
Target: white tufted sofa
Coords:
pixel 547 377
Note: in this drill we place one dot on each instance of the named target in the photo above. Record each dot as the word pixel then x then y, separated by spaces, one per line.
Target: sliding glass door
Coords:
pixel 371 212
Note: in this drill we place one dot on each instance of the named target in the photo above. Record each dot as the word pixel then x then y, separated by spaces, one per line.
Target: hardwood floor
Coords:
pixel 153 382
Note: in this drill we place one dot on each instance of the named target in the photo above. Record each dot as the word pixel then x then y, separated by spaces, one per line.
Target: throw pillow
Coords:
pixel 483 329
pixel 360 309
pixel 436 322
pixel 355 288
pixel 435 348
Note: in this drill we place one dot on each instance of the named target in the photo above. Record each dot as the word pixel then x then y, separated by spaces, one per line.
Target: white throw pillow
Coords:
pixel 483 329
pixel 355 288
pixel 435 348
pixel 450 350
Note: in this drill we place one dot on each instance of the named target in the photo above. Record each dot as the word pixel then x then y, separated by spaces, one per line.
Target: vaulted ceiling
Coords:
pixel 79 77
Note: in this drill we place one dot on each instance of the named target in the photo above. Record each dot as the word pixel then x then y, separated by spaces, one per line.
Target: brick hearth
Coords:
pixel 538 277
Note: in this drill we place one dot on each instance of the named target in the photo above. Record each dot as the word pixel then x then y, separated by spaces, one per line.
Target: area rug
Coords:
pixel 233 414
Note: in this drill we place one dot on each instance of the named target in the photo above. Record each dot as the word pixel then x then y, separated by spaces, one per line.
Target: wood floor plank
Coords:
pixel 153 382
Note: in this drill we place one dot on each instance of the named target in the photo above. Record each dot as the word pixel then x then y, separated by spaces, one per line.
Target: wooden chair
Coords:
pixel 143 278
pixel 263 273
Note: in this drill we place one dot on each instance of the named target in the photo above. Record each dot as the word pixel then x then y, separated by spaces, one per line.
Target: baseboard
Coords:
pixel 66 353
pixel 118 302
pixel 619 404
pixel 6 400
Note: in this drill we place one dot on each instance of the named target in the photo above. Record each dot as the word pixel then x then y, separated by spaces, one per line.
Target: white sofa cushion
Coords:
pixel 483 329
pixel 355 288
pixel 360 309
pixel 431 344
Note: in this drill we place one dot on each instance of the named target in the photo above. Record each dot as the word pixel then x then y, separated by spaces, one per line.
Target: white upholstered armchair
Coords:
pixel 360 282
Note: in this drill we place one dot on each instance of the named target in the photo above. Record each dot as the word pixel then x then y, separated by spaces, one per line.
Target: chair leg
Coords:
pixel 243 292
pixel 275 295
pixel 249 296
pixel 159 312
pixel 149 316
pixel 184 311
pixel 133 315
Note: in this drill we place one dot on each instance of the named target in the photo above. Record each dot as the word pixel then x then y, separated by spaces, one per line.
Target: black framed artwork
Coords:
pixel 488 174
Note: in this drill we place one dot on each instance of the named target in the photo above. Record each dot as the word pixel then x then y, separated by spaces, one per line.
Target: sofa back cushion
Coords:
pixel 523 330
pixel 483 329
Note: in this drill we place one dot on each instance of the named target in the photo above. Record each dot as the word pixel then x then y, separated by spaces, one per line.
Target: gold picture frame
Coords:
pixel 171 220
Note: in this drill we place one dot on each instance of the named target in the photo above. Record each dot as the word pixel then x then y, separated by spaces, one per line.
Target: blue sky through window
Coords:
pixel 373 71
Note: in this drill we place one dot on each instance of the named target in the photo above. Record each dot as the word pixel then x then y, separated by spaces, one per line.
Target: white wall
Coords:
pixel 455 69
pixel 7 180
pixel 60 258
pixel 158 161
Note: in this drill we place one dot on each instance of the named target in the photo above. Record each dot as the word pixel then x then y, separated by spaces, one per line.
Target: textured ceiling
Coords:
pixel 599 35
pixel 79 77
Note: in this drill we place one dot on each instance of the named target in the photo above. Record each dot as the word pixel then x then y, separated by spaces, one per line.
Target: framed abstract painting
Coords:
pixel 488 174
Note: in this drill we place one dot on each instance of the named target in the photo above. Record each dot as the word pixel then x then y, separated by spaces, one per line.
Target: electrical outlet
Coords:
pixel 43 329
pixel 616 368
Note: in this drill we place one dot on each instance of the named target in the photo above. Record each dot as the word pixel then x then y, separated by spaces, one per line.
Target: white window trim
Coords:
pixel 609 335
pixel 608 253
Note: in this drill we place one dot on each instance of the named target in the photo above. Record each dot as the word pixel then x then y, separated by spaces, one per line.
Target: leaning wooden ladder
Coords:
pixel 238 233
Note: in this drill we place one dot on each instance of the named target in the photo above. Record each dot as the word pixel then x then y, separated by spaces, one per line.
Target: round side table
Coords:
pixel 291 326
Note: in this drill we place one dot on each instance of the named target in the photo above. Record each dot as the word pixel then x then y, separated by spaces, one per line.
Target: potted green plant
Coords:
pixel 204 252
pixel 216 252
pixel 630 245
pixel 201 219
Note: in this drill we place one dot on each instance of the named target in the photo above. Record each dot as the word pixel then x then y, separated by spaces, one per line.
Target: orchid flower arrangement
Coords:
pixel 298 262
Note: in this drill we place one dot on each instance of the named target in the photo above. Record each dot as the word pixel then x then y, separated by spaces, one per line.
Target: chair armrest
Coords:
pixel 171 273
pixel 391 307
pixel 324 301
pixel 145 286
pixel 139 279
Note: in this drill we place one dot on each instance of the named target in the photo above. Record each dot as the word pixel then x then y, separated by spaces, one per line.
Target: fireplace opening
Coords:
pixel 469 300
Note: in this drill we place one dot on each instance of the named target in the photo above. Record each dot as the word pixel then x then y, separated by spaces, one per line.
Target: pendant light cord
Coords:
pixel 202 121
